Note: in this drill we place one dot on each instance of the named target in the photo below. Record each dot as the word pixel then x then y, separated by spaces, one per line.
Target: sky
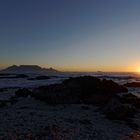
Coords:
pixel 71 35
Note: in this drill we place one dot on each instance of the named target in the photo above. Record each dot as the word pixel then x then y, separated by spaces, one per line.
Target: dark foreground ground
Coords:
pixel 83 108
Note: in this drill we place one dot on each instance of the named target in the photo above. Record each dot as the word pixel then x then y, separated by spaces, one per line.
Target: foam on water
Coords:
pixel 120 78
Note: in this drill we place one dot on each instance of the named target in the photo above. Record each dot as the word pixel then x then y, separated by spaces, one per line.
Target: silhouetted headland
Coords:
pixel 28 69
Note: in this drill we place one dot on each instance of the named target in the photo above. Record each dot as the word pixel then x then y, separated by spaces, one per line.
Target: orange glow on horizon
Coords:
pixel 103 69
pixel 138 70
pixel 87 68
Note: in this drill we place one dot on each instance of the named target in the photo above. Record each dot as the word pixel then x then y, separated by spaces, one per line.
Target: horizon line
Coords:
pixel 2 67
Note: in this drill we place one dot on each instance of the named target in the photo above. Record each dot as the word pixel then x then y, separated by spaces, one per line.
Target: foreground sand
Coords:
pixel 29 118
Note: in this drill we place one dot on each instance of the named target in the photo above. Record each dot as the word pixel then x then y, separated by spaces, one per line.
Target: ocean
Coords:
pixel 118 77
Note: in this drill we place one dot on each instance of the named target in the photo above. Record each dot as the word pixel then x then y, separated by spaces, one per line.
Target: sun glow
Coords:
pixel 138 70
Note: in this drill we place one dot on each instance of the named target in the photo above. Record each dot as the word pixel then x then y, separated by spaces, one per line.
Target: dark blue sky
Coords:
pixel 70 34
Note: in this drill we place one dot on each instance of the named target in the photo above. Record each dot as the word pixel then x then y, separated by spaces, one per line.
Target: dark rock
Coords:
pixel 2 104
pixel 5 74
pixel 21 76
pixel 117 77
pixel 13 100
pixel 84 107
pixel 117 111
pixel 2 90
pixel 133 84
pixel 40 78
pixel 135 135
pixel 23 92
pixel 86 89
pixel 130 99
pixel 14 76
pixel 55 94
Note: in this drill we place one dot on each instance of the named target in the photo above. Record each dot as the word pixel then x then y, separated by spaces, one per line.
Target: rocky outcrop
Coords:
pixel 40 78
pixel 132 136
pixel 86 89
pixel 16 76
pixel 130 99
pixel 89 90
pixel 21 76
pixel 23 92
pixel 123 108
pixel 118 111
pixel 133 84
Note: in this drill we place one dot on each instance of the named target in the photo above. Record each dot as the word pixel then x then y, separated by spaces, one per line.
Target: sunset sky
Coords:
pixel 71 35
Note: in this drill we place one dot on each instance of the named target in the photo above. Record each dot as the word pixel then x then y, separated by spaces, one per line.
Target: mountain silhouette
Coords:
pixel 28 69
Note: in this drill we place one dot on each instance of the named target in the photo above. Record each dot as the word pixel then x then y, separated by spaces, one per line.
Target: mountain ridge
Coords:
pixel 28 69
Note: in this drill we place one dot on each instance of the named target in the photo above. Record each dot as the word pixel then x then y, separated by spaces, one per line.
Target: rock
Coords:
pixel 21 76
pixel 130 99
pixel 40 78
pixel 117 111
pixel 133 84
pixel 117 77
pixel 84 107
pixel 23 92
pixel 2 89
pixel 132 136
pixel 86 89
pixel 13 100
pixel 2 104
pixel 55 94
pixel 14 76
